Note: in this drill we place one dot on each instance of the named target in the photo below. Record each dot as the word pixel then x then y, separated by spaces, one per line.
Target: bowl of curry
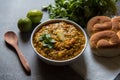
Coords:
pixel 58 41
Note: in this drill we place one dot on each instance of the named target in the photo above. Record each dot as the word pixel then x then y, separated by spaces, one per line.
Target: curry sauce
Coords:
pixel 61 41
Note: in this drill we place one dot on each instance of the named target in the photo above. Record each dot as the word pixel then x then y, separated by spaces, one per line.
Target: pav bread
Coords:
pixel 98 23
pixel 104 34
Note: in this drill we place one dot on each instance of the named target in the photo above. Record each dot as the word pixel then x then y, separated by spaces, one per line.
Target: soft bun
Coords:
pixel 104 39
pixel 104 33
pixel 116 23
pixel 98 23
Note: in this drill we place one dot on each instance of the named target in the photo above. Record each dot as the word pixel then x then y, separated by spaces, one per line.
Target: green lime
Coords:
pixel 24 24
pixel 35 15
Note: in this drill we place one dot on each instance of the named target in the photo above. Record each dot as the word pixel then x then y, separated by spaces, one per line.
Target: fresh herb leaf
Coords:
pixel 47 41
pixel 81 11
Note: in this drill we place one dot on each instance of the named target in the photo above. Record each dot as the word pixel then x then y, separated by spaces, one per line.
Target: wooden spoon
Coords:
pixel 11 38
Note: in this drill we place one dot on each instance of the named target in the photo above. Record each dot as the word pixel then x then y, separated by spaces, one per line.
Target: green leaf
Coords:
pixel 81 11
pixel 47 41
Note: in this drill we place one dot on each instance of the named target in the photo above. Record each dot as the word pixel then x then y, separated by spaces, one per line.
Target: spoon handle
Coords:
pixel 23 60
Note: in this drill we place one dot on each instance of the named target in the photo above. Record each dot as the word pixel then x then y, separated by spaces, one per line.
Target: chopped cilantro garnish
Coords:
pixel 47 41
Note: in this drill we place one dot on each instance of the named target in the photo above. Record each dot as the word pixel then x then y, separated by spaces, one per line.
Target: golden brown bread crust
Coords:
pixel 118 34
pixel 115 23
pixel 98 23
pixel 104 33
pixel 104 39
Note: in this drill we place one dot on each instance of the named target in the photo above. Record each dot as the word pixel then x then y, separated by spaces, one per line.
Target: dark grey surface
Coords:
pixel 117 77
pixel 10 66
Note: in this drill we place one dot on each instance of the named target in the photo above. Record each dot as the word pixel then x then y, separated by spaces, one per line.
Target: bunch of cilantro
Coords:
pixel 81 11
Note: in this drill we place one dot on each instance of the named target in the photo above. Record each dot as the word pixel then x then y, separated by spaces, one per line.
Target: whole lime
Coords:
pixel 35 15
pixel 24 24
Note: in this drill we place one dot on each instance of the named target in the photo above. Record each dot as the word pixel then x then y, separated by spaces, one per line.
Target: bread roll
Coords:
pixel 98 23
pixel 104 34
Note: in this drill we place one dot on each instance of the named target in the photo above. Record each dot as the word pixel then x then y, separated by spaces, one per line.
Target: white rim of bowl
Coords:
pixel 53 21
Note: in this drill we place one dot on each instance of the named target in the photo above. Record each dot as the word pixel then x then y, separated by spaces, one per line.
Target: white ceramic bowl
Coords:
pixel 58 62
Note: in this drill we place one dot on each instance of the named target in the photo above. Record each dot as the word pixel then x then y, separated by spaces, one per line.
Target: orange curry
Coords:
pixel 59 41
